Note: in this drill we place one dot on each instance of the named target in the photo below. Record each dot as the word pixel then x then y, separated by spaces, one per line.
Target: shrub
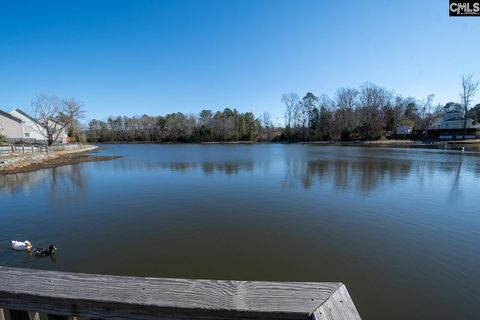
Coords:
pixel 345 135
pixel 82 138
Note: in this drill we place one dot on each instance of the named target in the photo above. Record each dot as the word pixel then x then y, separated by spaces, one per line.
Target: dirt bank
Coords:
pixel 18 163
pixel 472 141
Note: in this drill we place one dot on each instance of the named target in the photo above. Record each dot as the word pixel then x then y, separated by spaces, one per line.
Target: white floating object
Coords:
pixel 21 245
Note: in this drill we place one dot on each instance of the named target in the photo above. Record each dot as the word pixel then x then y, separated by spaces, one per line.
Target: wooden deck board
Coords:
pixel 119 297
pixel 339 306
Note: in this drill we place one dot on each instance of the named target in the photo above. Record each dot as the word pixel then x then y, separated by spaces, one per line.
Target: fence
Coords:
pixel 26 141
pixel 15 148
pixel 37 295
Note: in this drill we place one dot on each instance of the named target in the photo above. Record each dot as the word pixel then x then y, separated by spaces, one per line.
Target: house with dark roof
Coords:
pixel 10 126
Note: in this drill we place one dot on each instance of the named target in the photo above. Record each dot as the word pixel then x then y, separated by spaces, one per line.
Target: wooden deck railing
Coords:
pixel 27 294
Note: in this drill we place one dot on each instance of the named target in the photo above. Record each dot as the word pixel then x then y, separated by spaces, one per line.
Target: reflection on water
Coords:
pixel 208 168
pixel 401 221
pixel 367 176
pixel 340 171
pixel 360 173
pixel 12 183
pixel 64 183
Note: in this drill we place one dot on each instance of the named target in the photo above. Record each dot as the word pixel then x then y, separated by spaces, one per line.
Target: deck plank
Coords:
pixel 339 306
pixel 119 297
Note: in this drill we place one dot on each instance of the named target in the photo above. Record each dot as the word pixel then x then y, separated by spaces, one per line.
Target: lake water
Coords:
pixel 400 227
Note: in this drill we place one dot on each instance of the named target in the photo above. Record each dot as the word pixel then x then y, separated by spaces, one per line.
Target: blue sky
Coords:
pixel 156 57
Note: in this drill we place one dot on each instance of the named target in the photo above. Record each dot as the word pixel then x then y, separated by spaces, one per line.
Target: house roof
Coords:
pixel 25 115
pixel 8 115
pixel 455 119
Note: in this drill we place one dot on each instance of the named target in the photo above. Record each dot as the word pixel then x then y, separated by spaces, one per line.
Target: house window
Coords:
pixel 27 135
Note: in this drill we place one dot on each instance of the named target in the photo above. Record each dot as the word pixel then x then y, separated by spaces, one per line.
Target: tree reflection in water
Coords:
pixel 65 183
pixel 366 170
pixel 368 175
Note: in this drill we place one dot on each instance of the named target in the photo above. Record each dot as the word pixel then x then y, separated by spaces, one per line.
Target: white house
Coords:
pixel 62 135
pixel 452 120
pixel 31 128
pixel 10 126
pixel 403 129
pixel 19 125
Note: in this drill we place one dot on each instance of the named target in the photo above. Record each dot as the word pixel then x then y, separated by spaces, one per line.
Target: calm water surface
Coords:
pixel 400 227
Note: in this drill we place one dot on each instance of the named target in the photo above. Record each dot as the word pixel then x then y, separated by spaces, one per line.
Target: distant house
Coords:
pixel 454 119
pixel 453 125
pixel 10 126
pixel 403 130
pixel 19 126
pixel 31 128
pixel 34 129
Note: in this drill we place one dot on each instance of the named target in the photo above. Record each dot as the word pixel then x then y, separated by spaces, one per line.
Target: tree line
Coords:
pixel 207 126
pixel 367 113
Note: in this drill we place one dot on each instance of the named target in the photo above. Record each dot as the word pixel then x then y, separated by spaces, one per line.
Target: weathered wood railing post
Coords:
pixel 62 294
pixel 18 315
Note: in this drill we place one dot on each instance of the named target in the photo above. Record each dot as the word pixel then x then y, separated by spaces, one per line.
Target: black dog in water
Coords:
pixel 45 252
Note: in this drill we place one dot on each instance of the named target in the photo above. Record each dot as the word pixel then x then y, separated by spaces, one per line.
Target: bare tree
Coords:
pixel 326 110
pixel 373 102
pixel 266 120
pixel 346 100
pixel 73 111
pixel 469 89
pixel 54 115
pixel 291 101
pixel 309 101
pixel 426 112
